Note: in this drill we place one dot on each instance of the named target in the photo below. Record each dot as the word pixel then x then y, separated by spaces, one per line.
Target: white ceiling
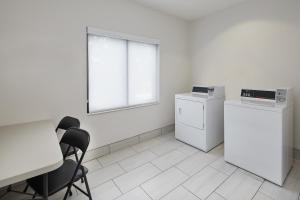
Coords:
pixel 189 9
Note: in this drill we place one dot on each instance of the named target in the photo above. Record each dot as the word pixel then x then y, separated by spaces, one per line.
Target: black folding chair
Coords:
pixel 66 123
pixel 70 172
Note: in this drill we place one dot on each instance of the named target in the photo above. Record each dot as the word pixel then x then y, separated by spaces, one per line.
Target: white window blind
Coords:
pixel 123 71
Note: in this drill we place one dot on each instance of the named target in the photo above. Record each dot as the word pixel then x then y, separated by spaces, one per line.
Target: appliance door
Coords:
pixel 253 141
pixel 190 113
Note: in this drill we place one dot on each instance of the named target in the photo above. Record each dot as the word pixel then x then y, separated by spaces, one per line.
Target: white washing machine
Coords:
pixel 259 133
pixel 199 117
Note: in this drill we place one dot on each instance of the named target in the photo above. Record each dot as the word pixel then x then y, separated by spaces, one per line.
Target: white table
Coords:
pixel 28 150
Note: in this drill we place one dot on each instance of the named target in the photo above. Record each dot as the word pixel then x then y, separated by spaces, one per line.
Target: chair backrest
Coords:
pixel 76 138
pixel 68 122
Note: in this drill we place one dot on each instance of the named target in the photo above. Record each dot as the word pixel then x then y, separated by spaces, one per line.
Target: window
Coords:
pixel 123 71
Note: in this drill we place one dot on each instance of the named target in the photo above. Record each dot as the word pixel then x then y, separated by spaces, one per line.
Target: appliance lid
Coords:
pixel 236 103
pixel 192 96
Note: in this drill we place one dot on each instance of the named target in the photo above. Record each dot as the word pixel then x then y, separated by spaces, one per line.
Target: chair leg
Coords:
pixel 87 186
pixel 33 197
pixel 77 160
pixel 68 191
pixel 26 188
pixel 8 188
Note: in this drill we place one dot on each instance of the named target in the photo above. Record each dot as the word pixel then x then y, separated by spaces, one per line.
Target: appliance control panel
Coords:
pixel 259 94
pixel 281 96
pixel 266 97
pixel 206 90
pixel 209 92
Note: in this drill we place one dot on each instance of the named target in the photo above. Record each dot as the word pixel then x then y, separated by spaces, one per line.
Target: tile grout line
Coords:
pixel 222 171
pixel 121 168
pixel 149 162
pixel 175 165
pixel 160 172
pixel 197 173
pixel 130 191
pixel 154 138
pixel 259 189
pixel 244 174
pixel 139 165
pixel 183 171
pixel 188 177
pixel 140 185
pixel 99 163
pixel 124 172
pixel 180 185
pixel 136 152
pixel 167 192
pixel 134 167
pixel 117 187
pixel 164 152
pixel 148 195
pixel 190 191
pixel 93 188
pixel 158 156
pixel 215 190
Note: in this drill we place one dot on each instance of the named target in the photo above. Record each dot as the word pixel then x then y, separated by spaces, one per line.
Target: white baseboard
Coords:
pixel 296 154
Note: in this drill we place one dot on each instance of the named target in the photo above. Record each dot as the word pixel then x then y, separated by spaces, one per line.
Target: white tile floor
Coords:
pixel 164 168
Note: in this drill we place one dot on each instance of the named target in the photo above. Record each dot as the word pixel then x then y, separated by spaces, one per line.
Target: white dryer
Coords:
pixel 199 117
pixel 259 133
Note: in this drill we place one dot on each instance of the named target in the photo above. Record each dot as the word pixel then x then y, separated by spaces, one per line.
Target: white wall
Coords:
pixel 43 63
pixel 253 45
pixel 43 58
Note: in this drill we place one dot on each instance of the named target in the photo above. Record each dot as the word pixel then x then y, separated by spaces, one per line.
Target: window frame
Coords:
pixel 127 37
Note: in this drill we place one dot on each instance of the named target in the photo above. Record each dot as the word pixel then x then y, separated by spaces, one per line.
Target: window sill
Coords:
pixel 122 108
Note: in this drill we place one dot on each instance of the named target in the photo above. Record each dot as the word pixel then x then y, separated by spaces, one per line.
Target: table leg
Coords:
pixel 45 186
